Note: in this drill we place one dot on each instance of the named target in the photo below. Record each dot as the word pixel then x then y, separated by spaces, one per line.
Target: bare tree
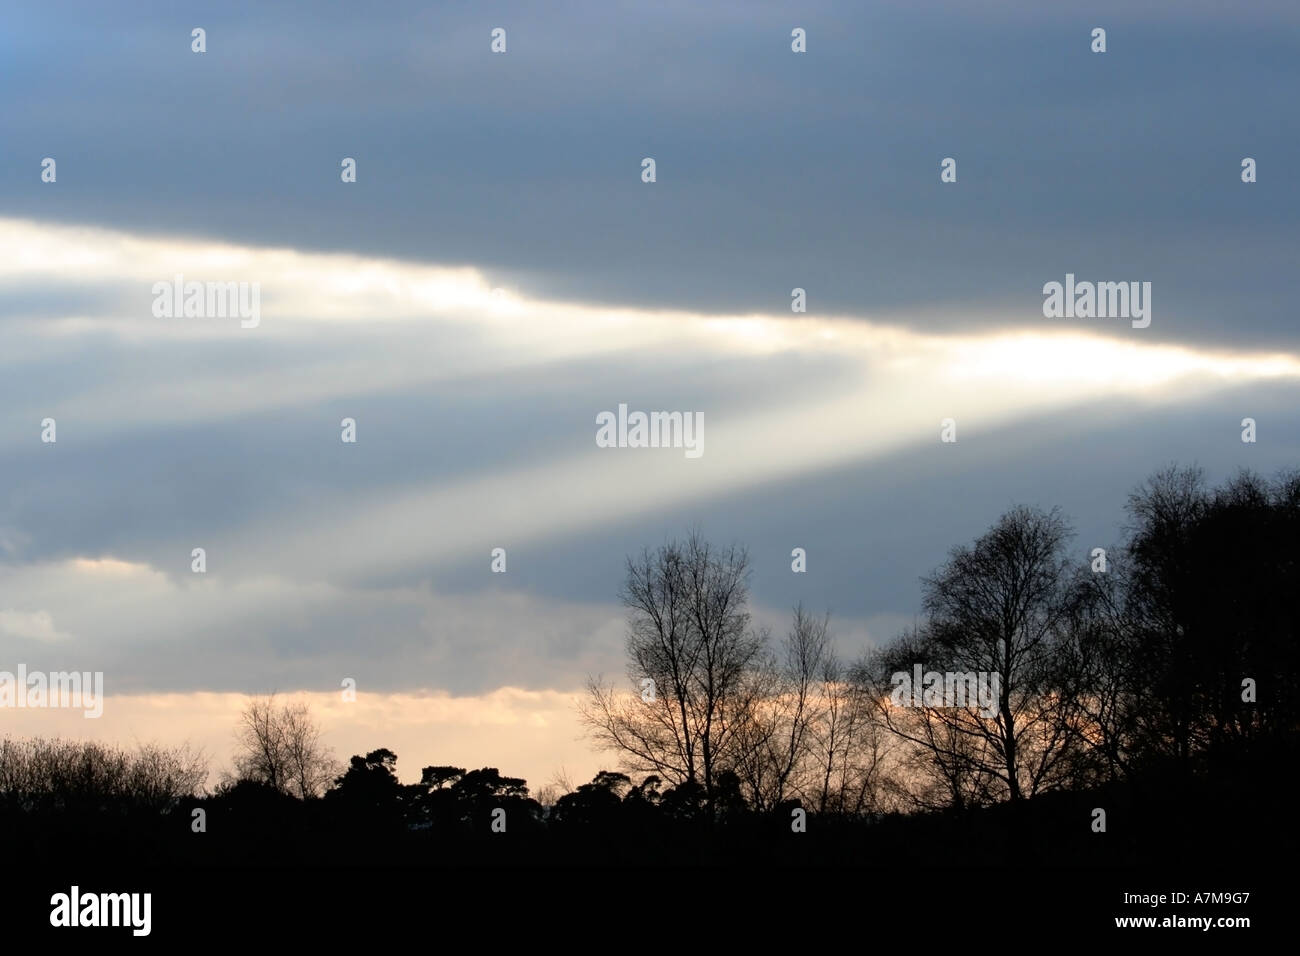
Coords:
pixel 709 697
pixel 848 747
pixel 775 738
pixel 1209 600
pixel 1002 607
pixel 1165 512
pixel 689 635
pixel 78 775
pixel 280 745
pixel 939 763
pixel 556 787
pixel 1101 659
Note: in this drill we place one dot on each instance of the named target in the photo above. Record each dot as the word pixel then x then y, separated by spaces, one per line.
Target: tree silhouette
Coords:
pixel 1209 602
pixel 1002 607
pixel 688 633
pixel 369 789
pixel 280 745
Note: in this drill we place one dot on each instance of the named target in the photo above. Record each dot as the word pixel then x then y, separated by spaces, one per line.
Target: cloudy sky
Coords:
pixel 499 274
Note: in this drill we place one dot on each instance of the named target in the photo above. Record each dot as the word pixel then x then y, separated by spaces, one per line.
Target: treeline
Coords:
pixel 1171 657
pixel 1168 656
pixel 1153 680
pixel 39 775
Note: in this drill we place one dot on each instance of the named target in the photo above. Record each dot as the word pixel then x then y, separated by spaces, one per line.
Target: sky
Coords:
pixel 499 274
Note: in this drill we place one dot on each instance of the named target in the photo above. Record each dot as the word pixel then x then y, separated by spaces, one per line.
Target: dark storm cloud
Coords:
pixel 775 169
